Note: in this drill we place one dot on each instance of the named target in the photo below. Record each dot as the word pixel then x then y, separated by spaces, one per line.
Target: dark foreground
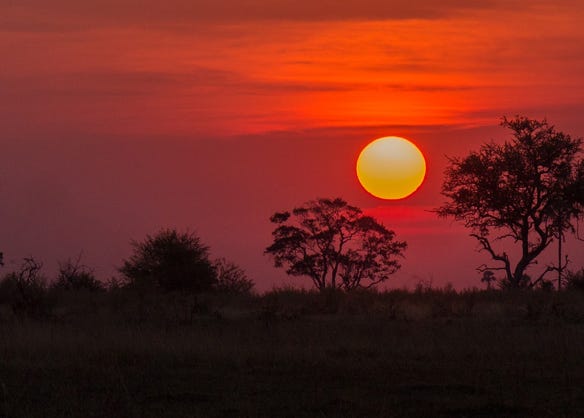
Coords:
pixel 487 364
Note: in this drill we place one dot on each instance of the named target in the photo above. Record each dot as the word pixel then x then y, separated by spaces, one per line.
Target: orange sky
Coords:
pixel 253 70
pixel 212 98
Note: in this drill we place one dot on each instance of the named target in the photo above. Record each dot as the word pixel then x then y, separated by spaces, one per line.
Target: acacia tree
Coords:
pixel 334 244
pixel 524 190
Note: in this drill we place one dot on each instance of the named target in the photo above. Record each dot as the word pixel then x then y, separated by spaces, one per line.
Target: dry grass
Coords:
pixel 430 354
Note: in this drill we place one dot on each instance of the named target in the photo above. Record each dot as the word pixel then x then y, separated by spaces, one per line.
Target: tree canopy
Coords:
pixel 171 261
pixel 528 190
pixel 334 244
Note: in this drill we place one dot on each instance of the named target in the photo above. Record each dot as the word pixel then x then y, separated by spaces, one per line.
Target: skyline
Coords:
pixel 121 118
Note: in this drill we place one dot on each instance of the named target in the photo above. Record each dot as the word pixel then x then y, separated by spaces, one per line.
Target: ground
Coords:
pixel 258 364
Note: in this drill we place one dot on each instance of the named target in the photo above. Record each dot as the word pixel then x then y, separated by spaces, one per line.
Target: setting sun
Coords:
pixel 391 168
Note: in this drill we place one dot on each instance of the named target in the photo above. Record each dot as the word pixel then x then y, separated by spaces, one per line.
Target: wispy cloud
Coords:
pixel 277 65
pixel 40 15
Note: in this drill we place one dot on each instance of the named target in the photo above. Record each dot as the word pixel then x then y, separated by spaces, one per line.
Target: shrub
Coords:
pixel 170 261
pixel 25 289
pixel 231 278
pixel 73 276
pixel 575 280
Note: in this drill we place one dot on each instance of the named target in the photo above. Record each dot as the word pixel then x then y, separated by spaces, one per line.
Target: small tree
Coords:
pixel 231 278
pixel 25 289
pixel 488 278
pixel 74 276
pixel 525 190
pixel 334 244
pixel 170 261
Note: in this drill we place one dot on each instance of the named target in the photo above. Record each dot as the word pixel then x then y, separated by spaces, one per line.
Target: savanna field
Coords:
pixel 290 353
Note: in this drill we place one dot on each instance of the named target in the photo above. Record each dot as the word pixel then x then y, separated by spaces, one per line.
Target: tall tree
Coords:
pixel 334 244
pixel 524 190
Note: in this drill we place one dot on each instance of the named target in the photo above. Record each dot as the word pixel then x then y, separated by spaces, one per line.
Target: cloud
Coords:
pixel 41 15
pixel 127 74
pixel 126 83
pixel 412 220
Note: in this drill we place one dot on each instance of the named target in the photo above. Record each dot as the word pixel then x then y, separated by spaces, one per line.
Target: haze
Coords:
pixel 118 118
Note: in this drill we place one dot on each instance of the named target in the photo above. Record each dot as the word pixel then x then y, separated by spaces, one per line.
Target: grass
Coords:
pixel 397 354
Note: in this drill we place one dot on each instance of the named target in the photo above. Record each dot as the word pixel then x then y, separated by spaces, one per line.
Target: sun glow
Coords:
pixel 391 168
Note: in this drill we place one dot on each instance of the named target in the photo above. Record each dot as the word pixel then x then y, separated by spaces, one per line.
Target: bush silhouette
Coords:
pixel 231 278
pixel 170 261
pixel 25 290
pixel 73 276
pixel 575 280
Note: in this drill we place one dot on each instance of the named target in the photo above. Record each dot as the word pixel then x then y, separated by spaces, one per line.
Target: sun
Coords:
pixel 391 168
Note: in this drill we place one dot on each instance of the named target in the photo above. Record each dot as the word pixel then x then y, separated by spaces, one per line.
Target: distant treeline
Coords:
pixel 79 297
pixel 528 191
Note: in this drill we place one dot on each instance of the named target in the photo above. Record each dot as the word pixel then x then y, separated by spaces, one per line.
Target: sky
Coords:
pixel 119 118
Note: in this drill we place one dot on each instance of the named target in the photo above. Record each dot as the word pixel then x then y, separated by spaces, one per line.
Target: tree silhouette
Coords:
pixel 25 289
pixel 334 244
pixel 488 278
pixel 231 278
pixel 525 190
pixel 170 261
pixel 73 275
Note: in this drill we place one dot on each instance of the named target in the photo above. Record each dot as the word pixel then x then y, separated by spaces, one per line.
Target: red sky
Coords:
pixel 121 117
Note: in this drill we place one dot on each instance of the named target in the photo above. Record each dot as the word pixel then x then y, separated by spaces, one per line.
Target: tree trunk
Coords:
pixel 518 274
